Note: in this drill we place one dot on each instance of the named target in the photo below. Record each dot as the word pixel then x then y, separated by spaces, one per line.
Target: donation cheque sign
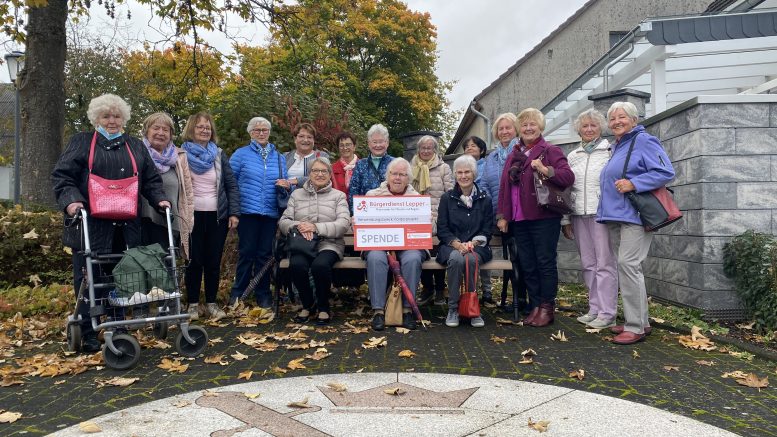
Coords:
pixel 392 222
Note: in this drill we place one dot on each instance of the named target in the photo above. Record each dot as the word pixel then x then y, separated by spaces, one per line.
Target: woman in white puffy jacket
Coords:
pixel 599 263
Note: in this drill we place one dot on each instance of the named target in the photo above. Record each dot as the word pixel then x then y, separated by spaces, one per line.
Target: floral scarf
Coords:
pixel 348 167
pixel 164 160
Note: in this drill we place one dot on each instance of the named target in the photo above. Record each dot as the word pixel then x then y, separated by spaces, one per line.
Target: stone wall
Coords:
pixel 724 151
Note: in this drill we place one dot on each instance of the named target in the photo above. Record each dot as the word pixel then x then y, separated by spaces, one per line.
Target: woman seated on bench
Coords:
pixel 464 223
pixel 316 209
pixel 397 184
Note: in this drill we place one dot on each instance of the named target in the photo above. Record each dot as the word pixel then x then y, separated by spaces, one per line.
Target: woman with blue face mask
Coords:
pixel 114 155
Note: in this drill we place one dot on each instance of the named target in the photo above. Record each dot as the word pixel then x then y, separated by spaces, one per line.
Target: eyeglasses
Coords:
pixel 402 175
pixel 319 171
pixel 426 149
pixel 203 127
pixel 263 130
pixel 378 141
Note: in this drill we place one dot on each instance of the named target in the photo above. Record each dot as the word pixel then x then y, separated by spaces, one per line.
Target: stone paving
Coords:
pixel 637 373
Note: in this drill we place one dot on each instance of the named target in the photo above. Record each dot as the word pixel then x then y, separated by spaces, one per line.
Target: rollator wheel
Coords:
pixel 160 330
pixel 74 337
pixel 187 349
pixel 130 352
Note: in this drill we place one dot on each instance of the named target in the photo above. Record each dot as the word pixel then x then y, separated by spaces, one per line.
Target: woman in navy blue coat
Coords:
pixel 464 222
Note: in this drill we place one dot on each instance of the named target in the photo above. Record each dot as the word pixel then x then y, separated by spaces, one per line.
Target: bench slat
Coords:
pixel 356 263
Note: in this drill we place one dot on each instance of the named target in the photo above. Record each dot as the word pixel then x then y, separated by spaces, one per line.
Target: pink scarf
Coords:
pixel 348 167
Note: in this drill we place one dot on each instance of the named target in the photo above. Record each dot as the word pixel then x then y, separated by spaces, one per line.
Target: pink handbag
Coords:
pixel 113 199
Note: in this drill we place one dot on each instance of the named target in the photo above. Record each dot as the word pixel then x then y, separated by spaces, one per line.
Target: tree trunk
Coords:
pixel 42 101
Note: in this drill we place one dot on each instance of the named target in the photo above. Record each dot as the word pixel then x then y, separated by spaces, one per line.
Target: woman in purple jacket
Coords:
pixel 648 168
pixel 535 229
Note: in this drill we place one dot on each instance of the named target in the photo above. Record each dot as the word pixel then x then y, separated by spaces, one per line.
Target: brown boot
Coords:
pixel 529 320
pixel 544 316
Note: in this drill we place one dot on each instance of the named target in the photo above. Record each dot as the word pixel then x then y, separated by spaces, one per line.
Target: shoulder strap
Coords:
pixel 280 167
pixel 628 156
pixel 91 155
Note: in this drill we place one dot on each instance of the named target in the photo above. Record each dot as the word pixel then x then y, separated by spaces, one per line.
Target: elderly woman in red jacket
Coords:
pixel 535 229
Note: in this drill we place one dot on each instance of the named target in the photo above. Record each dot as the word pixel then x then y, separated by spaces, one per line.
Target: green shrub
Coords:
pixel 751 260
pixel 30 245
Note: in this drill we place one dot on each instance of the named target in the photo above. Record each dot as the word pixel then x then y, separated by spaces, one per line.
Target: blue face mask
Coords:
pixel 107 135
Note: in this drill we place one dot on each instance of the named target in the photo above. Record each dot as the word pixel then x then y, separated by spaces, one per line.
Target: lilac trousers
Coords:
pixel 600 268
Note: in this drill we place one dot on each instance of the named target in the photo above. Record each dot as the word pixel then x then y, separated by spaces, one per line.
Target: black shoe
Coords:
pixel 378 322
pixel 487 297
pixel 425 298
pixel 408 321
pixel 90 344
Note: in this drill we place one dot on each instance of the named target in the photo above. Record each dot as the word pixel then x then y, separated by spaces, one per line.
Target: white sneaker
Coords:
pixel 586 319
pixel 452 320
pixel 477 322
pixel 601 323
pixel 194 311
pixel 214 312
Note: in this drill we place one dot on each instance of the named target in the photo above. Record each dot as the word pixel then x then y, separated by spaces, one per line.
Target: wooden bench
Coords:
pixel 357 263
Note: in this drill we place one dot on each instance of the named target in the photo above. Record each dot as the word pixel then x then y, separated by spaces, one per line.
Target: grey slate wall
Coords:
pixel 724 151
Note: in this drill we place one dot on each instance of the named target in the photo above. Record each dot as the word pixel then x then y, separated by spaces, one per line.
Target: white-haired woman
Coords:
pixel 370 172
pixel 397 183
pixel 464 223
pixel 258 168
pixel 592 239
pixel 173 167
pixel 316 209
pixel 433 177
pixel 110 153
pixel 648 168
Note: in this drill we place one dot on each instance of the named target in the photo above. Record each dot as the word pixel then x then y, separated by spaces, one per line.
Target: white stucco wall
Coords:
pixel 543 76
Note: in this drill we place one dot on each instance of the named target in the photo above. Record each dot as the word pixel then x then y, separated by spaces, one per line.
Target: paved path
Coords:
pixel 657 373
pixel 426 404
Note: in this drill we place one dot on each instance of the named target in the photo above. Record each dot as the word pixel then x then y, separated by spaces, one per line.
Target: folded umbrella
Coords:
pixel 396 269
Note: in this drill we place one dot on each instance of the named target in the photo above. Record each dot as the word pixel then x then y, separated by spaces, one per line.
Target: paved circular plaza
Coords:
pixel 393 404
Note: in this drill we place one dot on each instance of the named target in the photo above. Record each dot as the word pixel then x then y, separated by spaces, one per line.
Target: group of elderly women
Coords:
pixel 210 193
pixel 604 224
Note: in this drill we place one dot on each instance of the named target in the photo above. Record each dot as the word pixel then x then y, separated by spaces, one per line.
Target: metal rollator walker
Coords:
pixel 115 311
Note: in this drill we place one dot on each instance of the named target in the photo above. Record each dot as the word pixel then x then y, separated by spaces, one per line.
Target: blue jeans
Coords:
pixel 536 242
pixel 256 233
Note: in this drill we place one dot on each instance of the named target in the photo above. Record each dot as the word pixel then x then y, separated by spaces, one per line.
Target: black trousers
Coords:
pixel 537 241
pixel 101 274
pixel 206 245
pixel 151 233
pixel 321 269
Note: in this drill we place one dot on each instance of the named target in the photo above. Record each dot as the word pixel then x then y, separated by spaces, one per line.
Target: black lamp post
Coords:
pixel 15 62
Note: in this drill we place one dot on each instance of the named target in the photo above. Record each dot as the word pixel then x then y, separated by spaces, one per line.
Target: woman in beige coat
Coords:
pixel 173 167
pixel 433 177
pixel 319 210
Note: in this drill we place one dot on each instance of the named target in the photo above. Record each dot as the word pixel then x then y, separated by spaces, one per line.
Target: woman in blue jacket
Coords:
pixel 258 168
pixel 648 168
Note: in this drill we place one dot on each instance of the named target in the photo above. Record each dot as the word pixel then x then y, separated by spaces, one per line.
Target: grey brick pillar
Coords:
pixel 410 141
pixel 603 101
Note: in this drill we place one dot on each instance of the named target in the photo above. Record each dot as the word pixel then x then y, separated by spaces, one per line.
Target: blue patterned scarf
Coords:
pixel 200 158
pixel 504 152
pixel 164 160
pixel 263 150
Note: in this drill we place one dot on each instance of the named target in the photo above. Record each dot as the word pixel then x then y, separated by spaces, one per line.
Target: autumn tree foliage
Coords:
pixel 341 64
